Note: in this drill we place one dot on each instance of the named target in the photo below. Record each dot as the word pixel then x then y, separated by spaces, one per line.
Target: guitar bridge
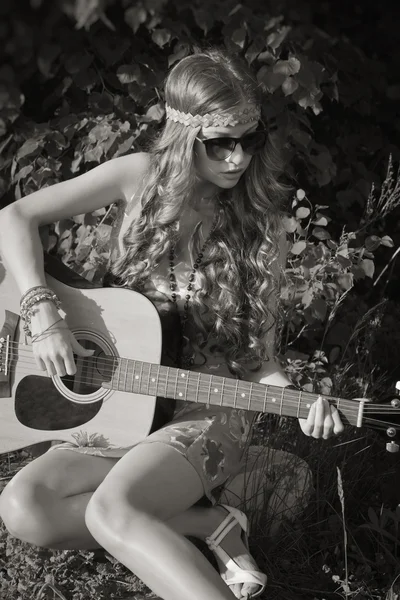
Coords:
pixel 7 335
pixel 4 358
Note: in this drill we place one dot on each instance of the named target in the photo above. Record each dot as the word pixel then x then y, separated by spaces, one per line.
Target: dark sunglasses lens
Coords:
pixel 219 149
pixel 254 142
pixel 222 148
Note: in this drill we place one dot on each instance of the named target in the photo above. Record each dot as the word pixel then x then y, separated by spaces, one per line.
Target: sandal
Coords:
pixel 241 575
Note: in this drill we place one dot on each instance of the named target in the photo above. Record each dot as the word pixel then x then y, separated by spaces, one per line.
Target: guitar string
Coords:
pixel 370 407
pixel 352 408
pixel 379 424
pixel 112 360
pixel 103 362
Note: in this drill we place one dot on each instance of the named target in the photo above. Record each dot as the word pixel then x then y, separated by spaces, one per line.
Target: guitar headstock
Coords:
pixel 392 431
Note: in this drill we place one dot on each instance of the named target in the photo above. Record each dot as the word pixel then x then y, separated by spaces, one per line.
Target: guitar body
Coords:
pixel 36 408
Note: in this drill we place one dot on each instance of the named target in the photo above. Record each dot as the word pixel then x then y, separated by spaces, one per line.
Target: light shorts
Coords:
pixel 212 438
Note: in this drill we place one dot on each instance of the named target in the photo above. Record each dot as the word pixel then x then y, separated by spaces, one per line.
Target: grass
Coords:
pixel 306 559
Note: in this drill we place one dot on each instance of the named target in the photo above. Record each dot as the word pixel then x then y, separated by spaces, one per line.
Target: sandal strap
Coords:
pixel 214 540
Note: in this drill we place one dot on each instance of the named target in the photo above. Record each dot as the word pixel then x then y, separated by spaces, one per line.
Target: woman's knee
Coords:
pixel 25 511
pixel 110 517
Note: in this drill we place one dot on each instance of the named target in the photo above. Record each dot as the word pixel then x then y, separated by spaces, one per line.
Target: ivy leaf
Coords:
pixel 368 267
pixel 274 40
pixel 270 79
pixel 129 73
pixel 204 19
pixel 239 37
pixel 372 242
pixel 387 241
pixel 28 148
pixel 161 37
pixel 345 280
pixel 298 247
pixel 180 51
pixel 135 16
pixel 320 233
pixel 254 49
pixel 289 86
pixel 302 212
pixel 307 297
pixel 287 67
pixel 321 220
pixel 22 173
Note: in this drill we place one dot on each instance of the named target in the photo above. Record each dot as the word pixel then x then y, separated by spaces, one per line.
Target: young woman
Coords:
pixel 202 237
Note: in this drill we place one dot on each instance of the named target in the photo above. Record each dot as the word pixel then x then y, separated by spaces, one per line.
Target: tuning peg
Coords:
pixel 397 387
pixel 392 447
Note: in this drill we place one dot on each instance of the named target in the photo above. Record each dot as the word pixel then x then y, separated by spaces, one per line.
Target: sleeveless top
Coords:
pixel 157 289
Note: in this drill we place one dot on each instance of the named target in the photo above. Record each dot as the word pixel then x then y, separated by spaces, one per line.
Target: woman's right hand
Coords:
pixel 53 342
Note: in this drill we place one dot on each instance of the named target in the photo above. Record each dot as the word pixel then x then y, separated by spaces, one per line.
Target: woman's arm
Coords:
pixel 20 245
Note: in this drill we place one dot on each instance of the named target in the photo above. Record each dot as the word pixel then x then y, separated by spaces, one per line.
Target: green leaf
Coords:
pixel 239 37
pixel 372 242
pixel 287 67
pixel 180 51
pixel 28 148
pixel 289 86
pixel 161 37
pixel 320 233
pixel 321 220
pixel 270 79
pixel 129 73
pixel 275 39
pixel 135 16
pixel 302 212
pixel 387 241
pixel 345 280
pixel 368 267
pixel 298 247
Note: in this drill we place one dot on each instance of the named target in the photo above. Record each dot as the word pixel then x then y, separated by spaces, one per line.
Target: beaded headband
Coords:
pixel 253 113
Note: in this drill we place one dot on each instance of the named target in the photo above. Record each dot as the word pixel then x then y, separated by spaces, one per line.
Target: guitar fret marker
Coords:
pixel 153 379
pixel 273 399
pixel 183 374
pixel 243 395
pixel 136 376
pixel 180 394
pixel 308 405
pixel 215 390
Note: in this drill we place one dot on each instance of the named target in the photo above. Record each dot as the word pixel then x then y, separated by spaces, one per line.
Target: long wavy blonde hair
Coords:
pixel 237 283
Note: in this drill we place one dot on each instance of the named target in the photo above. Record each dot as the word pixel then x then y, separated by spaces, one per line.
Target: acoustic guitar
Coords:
pixel 114 392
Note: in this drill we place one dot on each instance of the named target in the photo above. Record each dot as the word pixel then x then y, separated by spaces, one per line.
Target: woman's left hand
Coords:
pixel 323 420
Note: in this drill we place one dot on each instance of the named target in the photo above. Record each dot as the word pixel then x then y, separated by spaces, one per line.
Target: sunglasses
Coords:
pixel 221 148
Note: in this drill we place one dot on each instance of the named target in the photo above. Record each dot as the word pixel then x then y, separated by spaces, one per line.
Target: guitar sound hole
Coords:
pixel 91 371
pixel 40 405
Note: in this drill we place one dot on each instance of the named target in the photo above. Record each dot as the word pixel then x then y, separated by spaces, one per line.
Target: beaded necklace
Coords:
pixel 186 361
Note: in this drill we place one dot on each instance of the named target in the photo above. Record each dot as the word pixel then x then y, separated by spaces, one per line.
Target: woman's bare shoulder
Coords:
pixel 135 166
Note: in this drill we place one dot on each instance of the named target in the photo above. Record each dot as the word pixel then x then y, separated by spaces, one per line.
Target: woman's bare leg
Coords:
pixel 46 501
pixel 128 516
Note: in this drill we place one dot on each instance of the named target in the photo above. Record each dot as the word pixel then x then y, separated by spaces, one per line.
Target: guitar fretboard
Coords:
pixel 157 380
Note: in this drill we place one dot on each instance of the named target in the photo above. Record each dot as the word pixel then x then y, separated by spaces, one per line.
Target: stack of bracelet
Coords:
pixel 32 297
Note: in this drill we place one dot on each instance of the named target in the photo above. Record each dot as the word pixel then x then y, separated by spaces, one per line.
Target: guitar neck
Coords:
pixel 157 380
